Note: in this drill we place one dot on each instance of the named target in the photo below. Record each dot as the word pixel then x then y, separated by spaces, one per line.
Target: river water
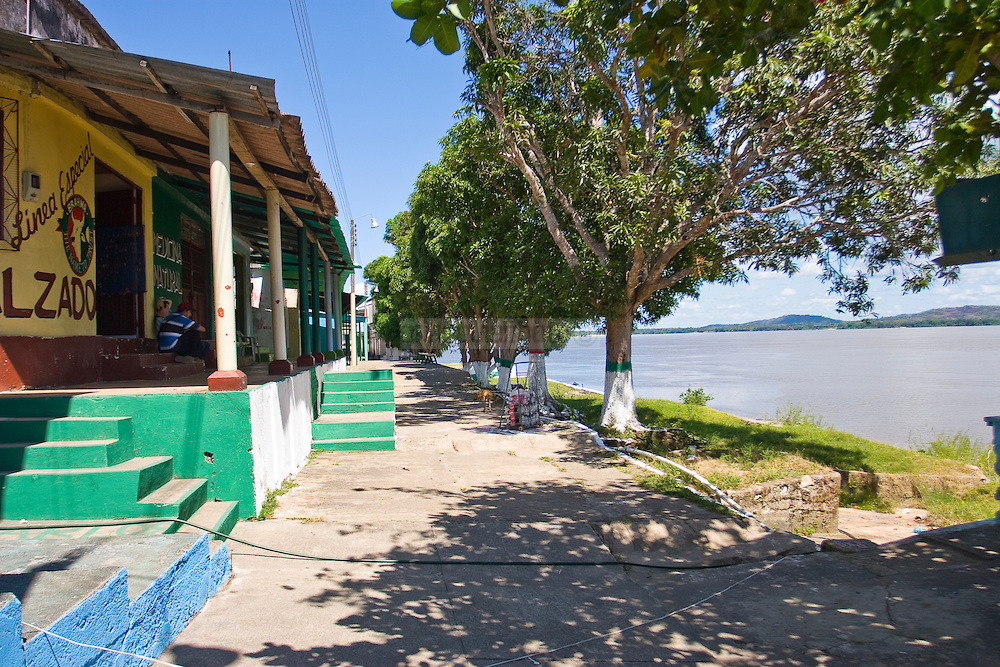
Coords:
pixel 899 386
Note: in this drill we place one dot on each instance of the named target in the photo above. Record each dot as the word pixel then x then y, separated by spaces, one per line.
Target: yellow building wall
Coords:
pixel 42 293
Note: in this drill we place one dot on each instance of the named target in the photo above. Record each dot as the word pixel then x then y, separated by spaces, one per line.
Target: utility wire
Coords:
pixel 531 656
pixel 307 49
pixel 373 561
pixel 99 648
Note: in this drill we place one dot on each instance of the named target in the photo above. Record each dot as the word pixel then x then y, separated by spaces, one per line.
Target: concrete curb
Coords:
pixel 107 618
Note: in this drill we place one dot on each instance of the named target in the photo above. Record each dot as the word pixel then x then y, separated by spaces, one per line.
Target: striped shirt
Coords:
pixel 171 329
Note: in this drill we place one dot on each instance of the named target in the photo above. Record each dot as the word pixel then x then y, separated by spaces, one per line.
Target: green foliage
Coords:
pixel 410 311
pixel 863 498
pixel 270 503
pixel 762 452
pixel 794 415
pixel 676 485
pixel 697 397
pixel 665 145
pixel 947 509
pixel 940 47
pixel 722 434
pixel 683 71
pixel 960 447
pixel 435 19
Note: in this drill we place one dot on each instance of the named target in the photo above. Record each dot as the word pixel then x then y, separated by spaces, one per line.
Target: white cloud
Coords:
pixel 788 291
pixel 809 270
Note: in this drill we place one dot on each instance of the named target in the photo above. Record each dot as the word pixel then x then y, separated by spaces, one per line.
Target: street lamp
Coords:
pixel 354 315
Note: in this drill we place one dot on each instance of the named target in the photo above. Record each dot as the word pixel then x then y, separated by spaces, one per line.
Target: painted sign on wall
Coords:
pixel 167 267
pixel 27 223
pixel 44 294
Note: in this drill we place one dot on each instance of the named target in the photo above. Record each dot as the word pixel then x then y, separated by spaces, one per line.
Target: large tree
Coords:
pixel 410 312
pixel 477 237
pixel 773 159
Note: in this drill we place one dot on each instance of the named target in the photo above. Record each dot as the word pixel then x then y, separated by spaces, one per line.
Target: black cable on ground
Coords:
pixel 373 561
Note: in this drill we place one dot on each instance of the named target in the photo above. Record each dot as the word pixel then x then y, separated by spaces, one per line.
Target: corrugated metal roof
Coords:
pixel 161 108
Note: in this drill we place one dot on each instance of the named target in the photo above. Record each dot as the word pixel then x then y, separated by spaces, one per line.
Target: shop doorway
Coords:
pixel 121 255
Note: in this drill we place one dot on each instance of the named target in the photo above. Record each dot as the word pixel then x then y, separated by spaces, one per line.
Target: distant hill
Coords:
pixel 939 317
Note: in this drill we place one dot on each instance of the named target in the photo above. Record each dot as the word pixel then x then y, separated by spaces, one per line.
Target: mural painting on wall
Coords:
pixel 75 297
pixel 77 227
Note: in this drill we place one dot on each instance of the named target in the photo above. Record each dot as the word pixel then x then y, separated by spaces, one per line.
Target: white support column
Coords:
pixel 354 312
pixel 228 377
pixel 280 365
pixel 338 315
pixel 331 311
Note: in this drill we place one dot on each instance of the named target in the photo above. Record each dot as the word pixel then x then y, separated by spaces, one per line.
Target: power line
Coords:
pixel 303 33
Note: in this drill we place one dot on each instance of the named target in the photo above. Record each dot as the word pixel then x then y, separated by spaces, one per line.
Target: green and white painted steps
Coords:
pixel 357 412
pixel 358 391
pixel 85 468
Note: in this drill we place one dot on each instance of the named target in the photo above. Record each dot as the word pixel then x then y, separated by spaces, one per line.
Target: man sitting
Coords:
pixel 180 334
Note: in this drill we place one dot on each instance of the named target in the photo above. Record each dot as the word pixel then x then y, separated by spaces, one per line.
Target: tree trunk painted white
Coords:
pixel 503 376
pixel 506 336
pixel 464 345
pixel 618 411
pixel 538 381
pixel 481 369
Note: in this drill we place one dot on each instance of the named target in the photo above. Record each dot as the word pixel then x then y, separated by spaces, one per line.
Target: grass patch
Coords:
pixel 794 415
pixel 732 453
pixel 551 462
pixel 677 486
pixel 948 509
pixel 863 499
pixel 960 447
pixel 270 503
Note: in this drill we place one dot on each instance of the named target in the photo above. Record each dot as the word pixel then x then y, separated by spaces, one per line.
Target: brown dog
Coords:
pixel 486 396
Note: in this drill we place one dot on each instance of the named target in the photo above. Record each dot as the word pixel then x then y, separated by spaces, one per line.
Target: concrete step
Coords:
pixel 24 404
pixel 64 454
pixel 354 396
pixel 356 444
pixel 177 498
pixel 146 366
pixel 358 385
pixel 84 493
pixel 45 429
pixel 168 371
pixel 140 359
pixel 356 376
pixel 340 408
pixel 354 425
pixel 220 516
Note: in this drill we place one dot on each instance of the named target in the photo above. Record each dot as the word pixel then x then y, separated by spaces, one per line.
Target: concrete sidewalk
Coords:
pixel 458 490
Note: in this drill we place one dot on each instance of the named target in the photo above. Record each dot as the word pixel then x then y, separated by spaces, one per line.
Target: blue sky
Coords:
pixel 390 103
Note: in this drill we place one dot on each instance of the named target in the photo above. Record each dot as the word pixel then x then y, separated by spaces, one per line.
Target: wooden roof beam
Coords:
pixel 198 147
pixel 100 94
pixel 166 89
pixel 252 165
pixel 132 91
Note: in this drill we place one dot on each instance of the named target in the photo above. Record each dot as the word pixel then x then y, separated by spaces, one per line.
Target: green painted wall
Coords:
pixel 170 205
pixel 206 433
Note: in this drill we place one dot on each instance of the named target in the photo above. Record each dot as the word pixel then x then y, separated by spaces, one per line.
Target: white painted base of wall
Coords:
pixel 281 417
